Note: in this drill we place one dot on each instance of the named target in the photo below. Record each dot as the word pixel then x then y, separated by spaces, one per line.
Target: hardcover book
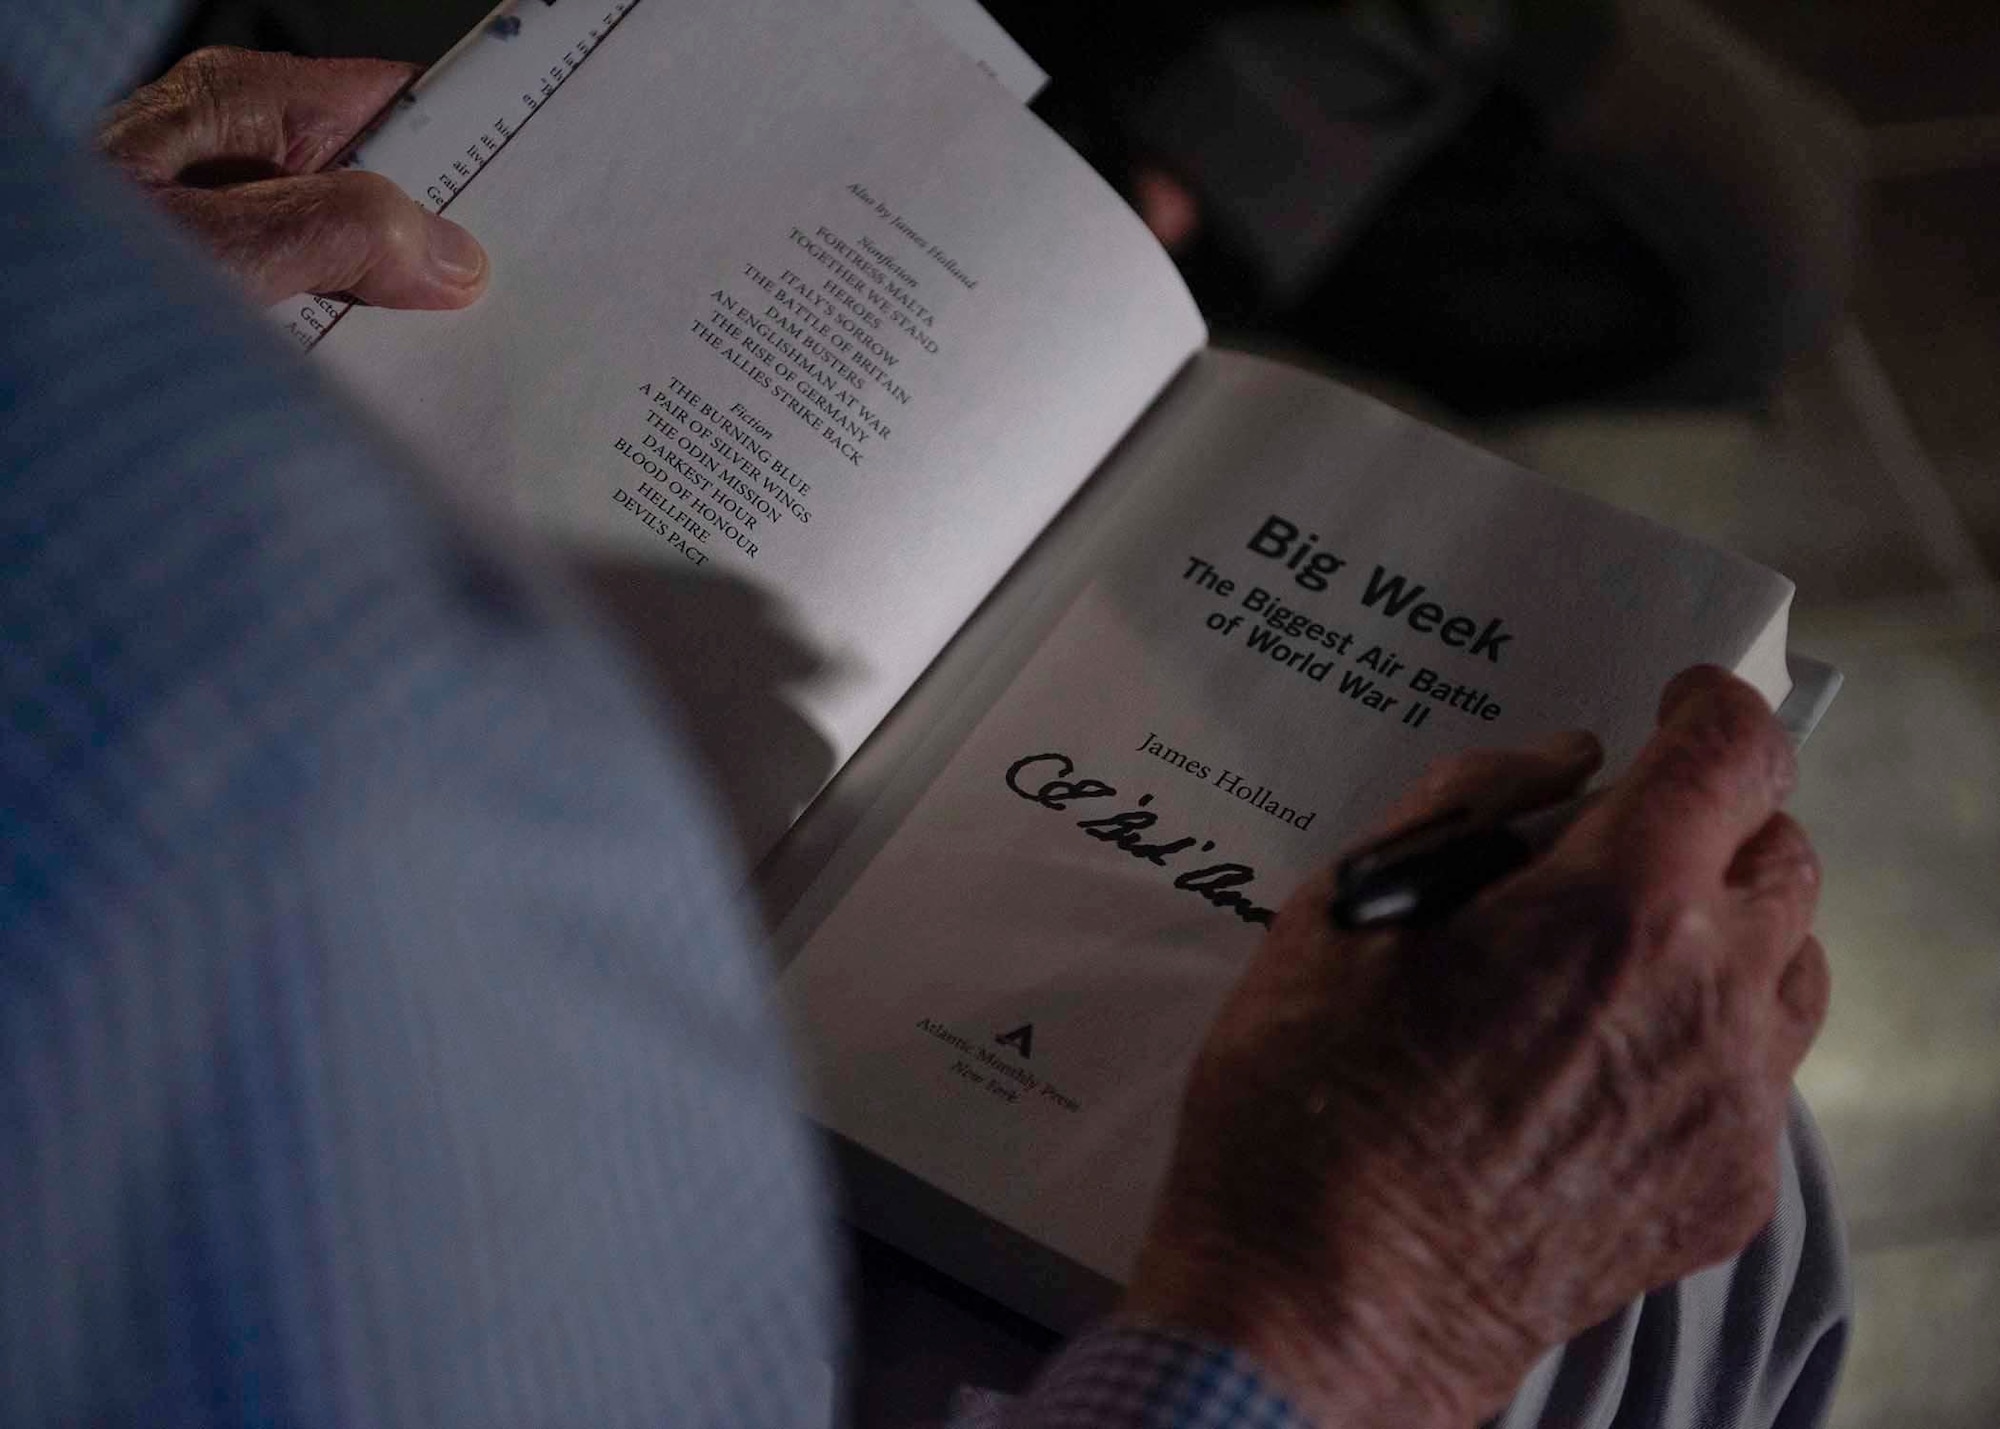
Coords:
pixel 801 322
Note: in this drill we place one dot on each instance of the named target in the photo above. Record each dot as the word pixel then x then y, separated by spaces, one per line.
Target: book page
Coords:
pixel 968 25
pixel 793 296
pixel 1306 598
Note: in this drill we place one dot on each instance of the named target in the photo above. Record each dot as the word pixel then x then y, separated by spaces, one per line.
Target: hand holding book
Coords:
pixel 233 144
pixel 1411 1162
pixel 1114 637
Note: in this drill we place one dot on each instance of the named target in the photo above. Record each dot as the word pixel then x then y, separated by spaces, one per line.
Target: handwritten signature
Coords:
pixel 1058 790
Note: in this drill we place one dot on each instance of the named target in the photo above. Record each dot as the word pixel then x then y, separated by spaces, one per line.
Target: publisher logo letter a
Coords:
pixel 1021 1039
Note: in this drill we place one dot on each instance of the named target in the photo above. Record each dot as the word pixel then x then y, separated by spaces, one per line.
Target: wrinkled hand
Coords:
pixel 231 142
pixel 1412 1161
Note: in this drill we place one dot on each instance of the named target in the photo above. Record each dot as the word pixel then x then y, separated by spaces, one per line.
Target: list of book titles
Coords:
pixel 808 358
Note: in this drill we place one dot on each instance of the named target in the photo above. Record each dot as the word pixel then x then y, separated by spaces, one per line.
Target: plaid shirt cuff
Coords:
pixel 1126 1378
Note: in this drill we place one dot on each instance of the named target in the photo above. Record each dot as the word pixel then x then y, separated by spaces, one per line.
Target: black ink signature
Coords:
pixel 1217 882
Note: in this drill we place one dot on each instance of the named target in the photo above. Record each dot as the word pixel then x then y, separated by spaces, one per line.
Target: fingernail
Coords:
pixel 455 255
pixel 1572 746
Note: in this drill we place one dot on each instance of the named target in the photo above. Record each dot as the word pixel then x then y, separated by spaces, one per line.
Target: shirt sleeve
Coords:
pixel 380 1040
pixel 1120 1377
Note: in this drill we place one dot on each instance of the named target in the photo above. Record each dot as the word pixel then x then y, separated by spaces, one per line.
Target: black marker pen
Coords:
pixel 1427 871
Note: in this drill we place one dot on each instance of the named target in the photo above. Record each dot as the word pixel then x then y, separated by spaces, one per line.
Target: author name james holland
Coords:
pixel 1259 796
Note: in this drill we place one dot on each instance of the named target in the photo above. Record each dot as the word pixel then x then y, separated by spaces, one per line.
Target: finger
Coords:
pixel 1493 783
pixel 290 114
pixel 1805 992
pixel 1167 207
pixel 343 232
pixel 1717 768
pixel 1776 879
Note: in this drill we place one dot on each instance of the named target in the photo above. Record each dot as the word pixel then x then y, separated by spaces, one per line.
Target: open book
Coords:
pixel 882 422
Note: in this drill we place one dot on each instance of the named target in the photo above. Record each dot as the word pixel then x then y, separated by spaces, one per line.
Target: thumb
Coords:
pixel 349 231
